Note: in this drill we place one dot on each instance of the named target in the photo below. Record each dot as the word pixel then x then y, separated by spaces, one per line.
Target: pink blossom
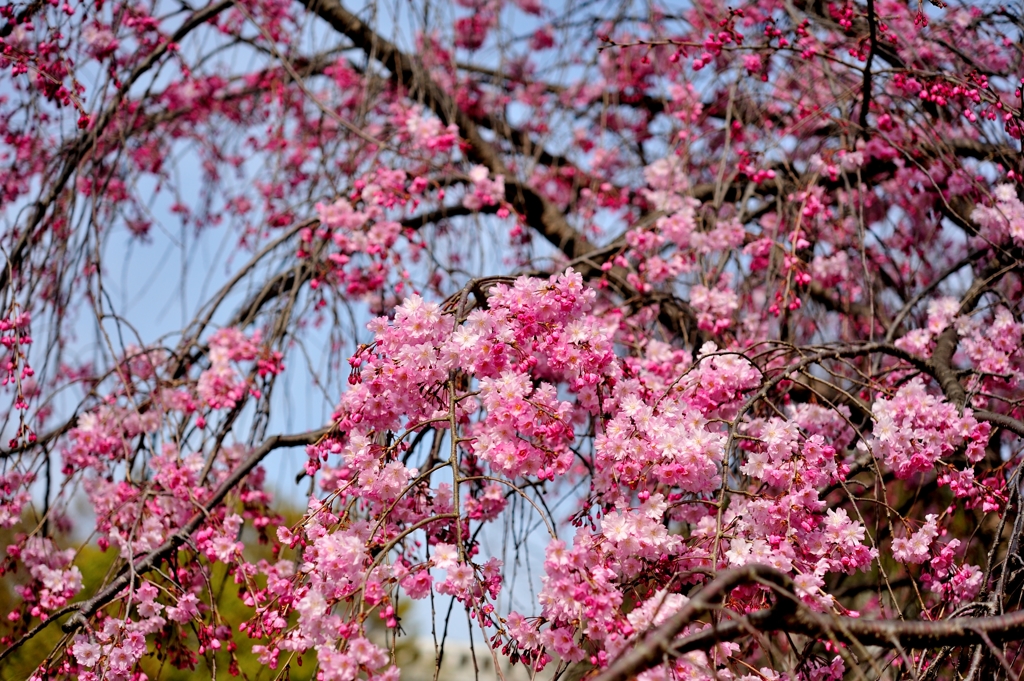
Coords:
pixel 915 549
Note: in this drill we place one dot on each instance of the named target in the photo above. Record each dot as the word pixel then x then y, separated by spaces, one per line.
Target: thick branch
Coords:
pixel 658 644
pixel 940 366
pixel 790 615
pixel 540 213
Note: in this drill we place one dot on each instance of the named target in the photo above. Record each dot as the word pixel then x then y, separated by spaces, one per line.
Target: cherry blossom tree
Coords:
pixel 719 304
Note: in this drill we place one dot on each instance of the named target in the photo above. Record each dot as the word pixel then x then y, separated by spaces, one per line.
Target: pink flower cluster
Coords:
pixel 112 650
pixel 762 226
pixel 994 345
pixel 54 580
pixel 533 336
pixel 15 337
pixel 100 435
pixel 335 568
pixel 916 548
pixel 941 574
pixel 915 429
pixel 427 133
pixel 941 313
pixel 483 190
pixel 356 231
pixel 668 445
pixel 796 533
pixel 1004 219
pixel 222 386
pixel 715 307
pixel 14 495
